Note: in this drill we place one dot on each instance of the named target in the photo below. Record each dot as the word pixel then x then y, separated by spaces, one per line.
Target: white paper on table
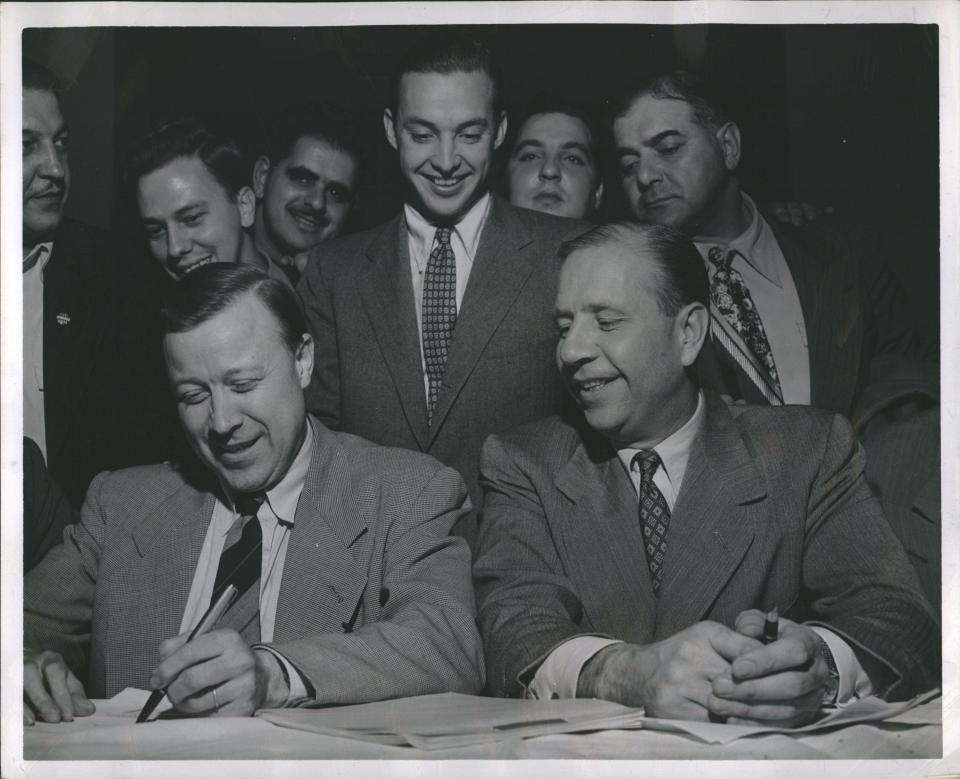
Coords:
pixel 871 709
pixel 448 720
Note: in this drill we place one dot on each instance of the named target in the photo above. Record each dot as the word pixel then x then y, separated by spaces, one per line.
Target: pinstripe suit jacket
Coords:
pixel 375 601
pixel 500 370
pixel 773 511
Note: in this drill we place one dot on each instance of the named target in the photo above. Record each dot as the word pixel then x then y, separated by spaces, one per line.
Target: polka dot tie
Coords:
pixel 439 312
pixel 731 296
pixel 654 515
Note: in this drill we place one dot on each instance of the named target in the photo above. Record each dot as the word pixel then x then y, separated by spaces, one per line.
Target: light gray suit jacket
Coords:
pixel 773 511
pixel 500 372
pixel 375 601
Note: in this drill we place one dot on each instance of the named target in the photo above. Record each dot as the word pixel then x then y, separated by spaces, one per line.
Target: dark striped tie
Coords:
pixel 654 515
pixel 439 312
pixel 240 560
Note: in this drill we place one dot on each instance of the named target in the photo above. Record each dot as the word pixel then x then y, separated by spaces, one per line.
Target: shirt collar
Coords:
pixel 752 243
pixel 467 230
pixel 45 249
pixel 284 496
pixel 674 450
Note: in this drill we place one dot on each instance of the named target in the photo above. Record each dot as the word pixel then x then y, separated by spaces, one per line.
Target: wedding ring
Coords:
pixel 215 703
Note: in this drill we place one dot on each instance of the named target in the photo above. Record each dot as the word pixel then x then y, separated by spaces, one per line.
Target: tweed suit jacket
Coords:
pixel 853 312
pixel 375 600
pixel 500 370
pixel 773 511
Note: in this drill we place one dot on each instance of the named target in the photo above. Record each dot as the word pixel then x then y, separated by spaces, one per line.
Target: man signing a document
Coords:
pixel 350 588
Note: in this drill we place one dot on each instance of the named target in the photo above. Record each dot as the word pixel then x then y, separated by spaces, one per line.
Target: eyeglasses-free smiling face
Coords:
pixel 552 167
pixel 306 197
pixel 189 218
pixel 445 131
pixel 239 393
pixel 46 167
pixel 619 356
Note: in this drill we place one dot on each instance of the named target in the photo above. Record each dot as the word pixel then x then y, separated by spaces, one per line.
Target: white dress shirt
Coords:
pixel 464 240
pixel 34 417
pixel 276 517
pixel 764 269
pixel 558 675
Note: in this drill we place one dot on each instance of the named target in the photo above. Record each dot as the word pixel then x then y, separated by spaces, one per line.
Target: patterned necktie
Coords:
pixel 732 298
pixel 240 560
pixel 439 313
pixel 654 515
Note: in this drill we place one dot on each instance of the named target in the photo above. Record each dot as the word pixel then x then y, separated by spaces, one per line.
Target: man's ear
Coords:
pixel 501 130
pixel 389 128
pixel 597 196
pixel 693 324
pixel 303 360
pixel 247 205
pixel 728 137
pixel 261 169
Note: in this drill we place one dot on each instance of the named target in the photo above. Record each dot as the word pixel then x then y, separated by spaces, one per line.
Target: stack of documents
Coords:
pixel 449 720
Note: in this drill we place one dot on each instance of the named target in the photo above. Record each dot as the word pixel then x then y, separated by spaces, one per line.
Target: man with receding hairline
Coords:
pixel 632 554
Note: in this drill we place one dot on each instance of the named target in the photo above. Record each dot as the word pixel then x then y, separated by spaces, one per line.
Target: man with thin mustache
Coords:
pixel 82 294
pixel 305 182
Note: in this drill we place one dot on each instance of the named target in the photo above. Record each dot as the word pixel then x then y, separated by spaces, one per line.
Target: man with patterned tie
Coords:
pixel 434 330
pixel 798 316
pixel 350 587
pixel 631 554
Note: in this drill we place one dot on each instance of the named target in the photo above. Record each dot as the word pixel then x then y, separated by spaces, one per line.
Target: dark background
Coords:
pixel 835 115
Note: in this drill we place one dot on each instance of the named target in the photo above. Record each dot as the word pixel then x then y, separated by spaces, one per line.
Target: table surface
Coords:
pixel 247 738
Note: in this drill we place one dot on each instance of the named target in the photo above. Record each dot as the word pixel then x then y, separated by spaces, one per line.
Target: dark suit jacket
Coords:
pixel 46 510
pixel 375 602
pixel 500 370
pixel 854 314
pixel 773 511
pixel 97 307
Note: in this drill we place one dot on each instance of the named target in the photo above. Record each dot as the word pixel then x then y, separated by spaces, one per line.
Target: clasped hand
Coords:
pixel 708 669
pixel 244 680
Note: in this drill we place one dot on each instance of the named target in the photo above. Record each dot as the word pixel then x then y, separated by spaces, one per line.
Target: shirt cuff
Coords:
pixel 853 683
pixel 295 681
pixel 558 675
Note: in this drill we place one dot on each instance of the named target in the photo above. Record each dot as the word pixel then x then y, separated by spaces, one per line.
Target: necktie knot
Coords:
pixel 248 505
pixel 442 237
pixel 721 256
pixel 647 461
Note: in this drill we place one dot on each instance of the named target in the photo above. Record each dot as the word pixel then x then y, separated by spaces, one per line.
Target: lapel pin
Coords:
pixel 63 319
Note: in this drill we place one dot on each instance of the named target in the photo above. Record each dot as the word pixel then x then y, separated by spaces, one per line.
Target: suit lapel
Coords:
pixel 713 521
pixel 499 272
pixel 603 545
pixel 386 291
pixel 322 584
pixel 168 542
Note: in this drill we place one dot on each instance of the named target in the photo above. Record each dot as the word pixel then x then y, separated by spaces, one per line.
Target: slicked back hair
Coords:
pixel 283 132
pixel 211 289
pixel 679 269
pixel 40 78
pixel 441 52
pixel 188 137
pixel 684 85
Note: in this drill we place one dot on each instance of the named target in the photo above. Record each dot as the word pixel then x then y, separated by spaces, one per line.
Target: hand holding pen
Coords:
pixel 207 622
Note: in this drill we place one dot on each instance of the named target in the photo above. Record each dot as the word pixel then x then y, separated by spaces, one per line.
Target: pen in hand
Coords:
pixel 771 626
pixel 205 625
